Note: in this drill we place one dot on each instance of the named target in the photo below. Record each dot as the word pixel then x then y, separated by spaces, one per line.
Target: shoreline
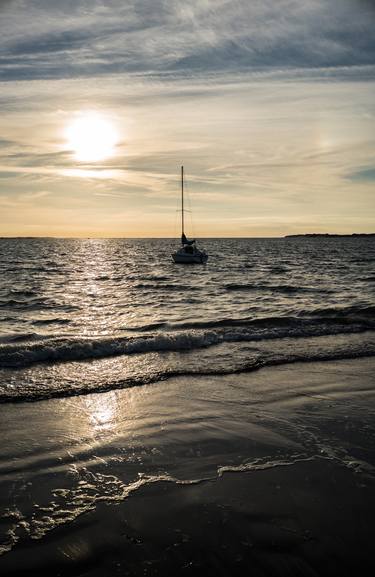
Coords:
pixel 310 518
pixel 284 460
pixel 331 235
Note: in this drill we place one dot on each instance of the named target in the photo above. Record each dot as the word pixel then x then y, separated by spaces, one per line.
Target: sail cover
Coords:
pixel 184 240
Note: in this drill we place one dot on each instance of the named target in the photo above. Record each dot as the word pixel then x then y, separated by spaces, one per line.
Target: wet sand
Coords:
pixel 285 488
pixel 313 518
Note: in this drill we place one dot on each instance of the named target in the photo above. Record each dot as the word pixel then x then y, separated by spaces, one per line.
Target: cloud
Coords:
pixel 4 143
pixel 363 175
pixel 80 39
pixel 257 99
pixel 30 159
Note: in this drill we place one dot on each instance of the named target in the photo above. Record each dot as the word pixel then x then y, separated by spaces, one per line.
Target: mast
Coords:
pixel 182 200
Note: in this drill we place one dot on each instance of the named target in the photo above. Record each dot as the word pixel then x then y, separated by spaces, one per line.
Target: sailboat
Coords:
pixel 189 253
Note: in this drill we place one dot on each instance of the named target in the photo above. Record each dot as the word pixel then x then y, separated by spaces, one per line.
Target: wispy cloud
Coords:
pixel 77 39
pixel 269 103
pixel 363 175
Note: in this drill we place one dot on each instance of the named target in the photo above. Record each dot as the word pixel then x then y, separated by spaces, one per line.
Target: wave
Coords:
pixel 76 348
pixel 13 337
pixel 22 293
pixel 352 312
pixel 170 287
pixel 12 303
pixel 364 259
pixel 145 328
pixel 338 317
pixel 188 336
pixel 279 269
pixel 155 277
pixel 258 360
pixel 193 325
pixel 36 304
pixel 53 321
pixel 241 287
pixel 276 288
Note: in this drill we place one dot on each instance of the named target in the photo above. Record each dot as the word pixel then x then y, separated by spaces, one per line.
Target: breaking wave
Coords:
pixel 190 336
pixel 250 361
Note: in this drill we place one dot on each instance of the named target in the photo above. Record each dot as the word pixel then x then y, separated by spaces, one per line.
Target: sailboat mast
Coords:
pixel 182 200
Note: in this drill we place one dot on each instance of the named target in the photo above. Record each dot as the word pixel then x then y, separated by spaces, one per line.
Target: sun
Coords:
pixel 91 137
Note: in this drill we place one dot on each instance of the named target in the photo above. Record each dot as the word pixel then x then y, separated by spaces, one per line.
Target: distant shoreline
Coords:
pixel 327 234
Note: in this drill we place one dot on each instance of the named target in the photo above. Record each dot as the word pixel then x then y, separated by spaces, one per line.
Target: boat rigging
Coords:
pixel 189 253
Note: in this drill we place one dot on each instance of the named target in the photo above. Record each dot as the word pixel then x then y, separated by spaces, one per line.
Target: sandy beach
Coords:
pixel 266 473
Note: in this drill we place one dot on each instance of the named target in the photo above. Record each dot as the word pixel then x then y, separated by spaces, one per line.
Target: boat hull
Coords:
pixel 198 258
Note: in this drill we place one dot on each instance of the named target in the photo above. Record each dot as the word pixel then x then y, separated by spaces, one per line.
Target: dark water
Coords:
pixel 138 317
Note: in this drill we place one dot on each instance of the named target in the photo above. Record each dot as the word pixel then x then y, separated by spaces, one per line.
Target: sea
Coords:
pixel 86 315
pixel 120 369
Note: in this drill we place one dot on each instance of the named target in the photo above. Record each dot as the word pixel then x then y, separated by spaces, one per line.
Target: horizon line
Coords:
pixel 308 234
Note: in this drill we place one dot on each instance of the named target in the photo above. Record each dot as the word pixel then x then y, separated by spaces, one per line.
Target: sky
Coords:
pixel 268 104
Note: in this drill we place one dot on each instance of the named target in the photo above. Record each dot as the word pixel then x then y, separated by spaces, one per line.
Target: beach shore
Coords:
pixel 269 473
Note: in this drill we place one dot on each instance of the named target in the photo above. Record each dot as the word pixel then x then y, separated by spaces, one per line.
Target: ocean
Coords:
pixel 138 317
pixel 120 369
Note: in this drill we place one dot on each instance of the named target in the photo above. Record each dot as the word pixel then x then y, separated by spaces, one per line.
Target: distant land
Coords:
pixel 327 234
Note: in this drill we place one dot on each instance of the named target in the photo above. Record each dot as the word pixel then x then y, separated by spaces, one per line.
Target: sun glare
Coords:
pixel 91 137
